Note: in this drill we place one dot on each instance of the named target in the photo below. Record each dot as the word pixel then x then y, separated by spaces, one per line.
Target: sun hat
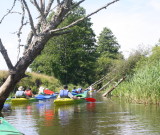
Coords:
pixel 41 88
pixel 20 88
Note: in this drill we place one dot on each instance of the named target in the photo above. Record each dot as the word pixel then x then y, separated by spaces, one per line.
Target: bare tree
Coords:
pixel 39 34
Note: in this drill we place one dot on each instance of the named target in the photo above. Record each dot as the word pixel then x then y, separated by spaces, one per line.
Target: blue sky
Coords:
pixel 135 23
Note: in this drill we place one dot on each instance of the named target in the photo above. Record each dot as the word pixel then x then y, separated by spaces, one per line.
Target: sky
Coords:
pixel 135 23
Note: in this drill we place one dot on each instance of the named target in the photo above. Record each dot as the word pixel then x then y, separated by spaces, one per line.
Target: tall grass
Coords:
pixel 144 85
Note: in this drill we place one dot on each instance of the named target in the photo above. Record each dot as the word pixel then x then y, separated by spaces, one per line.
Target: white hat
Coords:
pixel 20 88
pixel 41 88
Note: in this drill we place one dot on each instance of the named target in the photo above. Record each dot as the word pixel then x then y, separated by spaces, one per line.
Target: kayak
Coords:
pixel 83 95
pixel 22 100
pixel 74 93
pixel 6 107
pixel 45 96
pixel 66 101
pixel 7 129
pixel 8 100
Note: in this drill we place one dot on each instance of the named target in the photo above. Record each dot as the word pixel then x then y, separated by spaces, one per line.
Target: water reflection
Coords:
pixel 45 111
pixel 91 107
pixel 103 117
pixel 65 113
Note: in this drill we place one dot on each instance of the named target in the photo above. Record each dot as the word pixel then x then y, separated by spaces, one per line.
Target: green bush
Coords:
pixel 35 80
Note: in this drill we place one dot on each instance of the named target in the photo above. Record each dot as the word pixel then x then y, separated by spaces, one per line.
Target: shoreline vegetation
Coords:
pixel 142 83
pixel 34 81
pixel 143 86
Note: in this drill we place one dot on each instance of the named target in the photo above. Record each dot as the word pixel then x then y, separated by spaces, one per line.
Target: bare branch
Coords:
pixel 15 12
pixel 42 2
pixel 62 32
pixel 9 11
pixel 78 3
pixel 81 19
pixel 39 9
pixel 58 2
pixel 74 6
pixel 29 38
pixel 5 56
pixel 30 17
pixel 48 7
pixel 22 23
pixel 30 35
pixel 62 10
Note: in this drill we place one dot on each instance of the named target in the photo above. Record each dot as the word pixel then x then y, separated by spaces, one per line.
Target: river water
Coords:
pixel 103 117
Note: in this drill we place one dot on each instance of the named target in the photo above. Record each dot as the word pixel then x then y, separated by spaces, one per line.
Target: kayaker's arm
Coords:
pixel 70 95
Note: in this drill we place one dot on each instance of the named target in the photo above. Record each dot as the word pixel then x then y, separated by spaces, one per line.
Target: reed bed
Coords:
pixel 144 85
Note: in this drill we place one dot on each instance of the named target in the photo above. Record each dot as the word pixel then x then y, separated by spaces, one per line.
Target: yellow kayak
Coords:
pixel 66 101
pixel 22 100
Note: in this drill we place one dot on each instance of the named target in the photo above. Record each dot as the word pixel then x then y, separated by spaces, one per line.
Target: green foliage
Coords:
pixel 143 86
pixel 70 57
pixel 35 80
pixel 3 76
pixel 44 80
pixel 107 43
pixel 108 52
pixel 155 53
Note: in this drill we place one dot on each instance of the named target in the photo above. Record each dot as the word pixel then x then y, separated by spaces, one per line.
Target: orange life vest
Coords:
pixel 28 92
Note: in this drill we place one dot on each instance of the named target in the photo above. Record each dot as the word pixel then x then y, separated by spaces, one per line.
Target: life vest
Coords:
pixel 79 90
pixel 74 90
pixel 28 92
pixel 20 94
pixel 64 94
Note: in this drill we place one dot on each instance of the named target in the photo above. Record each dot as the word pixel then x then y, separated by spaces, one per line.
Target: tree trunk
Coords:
pixel 105 85
pixel 6 88
pixel 20 68
pixel 109 91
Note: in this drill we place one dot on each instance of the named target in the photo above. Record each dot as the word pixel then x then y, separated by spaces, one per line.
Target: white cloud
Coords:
pixel 155 4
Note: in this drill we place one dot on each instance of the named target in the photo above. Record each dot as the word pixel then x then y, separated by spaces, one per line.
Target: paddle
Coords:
pixel 90 99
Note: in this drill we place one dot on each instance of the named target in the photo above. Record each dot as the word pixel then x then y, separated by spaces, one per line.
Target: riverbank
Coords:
pixel 34 81
pixel 143 86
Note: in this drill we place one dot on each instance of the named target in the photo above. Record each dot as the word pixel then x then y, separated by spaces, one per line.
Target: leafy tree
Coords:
pixel 71 57
pixel 107 50
pixel 41 31
pixel 107 43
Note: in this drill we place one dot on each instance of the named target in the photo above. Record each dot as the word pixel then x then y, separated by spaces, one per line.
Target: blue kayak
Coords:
pixel 45 96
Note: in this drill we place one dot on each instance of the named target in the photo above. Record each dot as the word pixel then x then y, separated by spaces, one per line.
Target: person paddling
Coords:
pixel 28 92
pixel 65 93
pixel 20 93
pixel 74 90
pixel 79 90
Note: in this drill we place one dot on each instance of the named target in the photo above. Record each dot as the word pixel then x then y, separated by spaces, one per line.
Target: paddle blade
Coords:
pixel 49 92
pixel 90 99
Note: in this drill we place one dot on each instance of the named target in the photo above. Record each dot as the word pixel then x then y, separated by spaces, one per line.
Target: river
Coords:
pixel 103 117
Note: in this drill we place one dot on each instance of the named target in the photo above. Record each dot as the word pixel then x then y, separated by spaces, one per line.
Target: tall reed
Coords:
pixel 144 85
